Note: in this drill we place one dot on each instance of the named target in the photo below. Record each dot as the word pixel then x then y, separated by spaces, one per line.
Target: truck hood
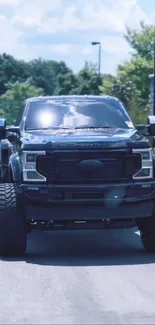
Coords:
pixel 74 138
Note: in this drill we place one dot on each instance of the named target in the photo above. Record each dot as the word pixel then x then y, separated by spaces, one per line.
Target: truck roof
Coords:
pixel 72 97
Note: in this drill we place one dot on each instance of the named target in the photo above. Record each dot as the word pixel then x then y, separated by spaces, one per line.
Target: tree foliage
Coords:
pixel 131 83
pixel 20 80
pixel 141 40
pixel 14 98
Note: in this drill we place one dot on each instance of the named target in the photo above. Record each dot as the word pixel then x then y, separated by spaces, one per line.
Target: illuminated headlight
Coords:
pixel 147 164
pixel 30 173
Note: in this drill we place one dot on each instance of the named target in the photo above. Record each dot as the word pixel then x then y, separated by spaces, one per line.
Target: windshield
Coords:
pixel 49 114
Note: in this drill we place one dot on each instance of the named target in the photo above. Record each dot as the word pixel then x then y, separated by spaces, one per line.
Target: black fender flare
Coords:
pixel 15 168
pixel 6 151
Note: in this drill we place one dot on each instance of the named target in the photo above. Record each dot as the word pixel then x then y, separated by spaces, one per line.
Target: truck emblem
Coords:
pixel 90 165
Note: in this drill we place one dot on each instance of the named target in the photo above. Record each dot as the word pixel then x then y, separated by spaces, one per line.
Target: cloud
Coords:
pixel 8 36
pixel 60 48
pixel 87 50
pixel 115 45
pixel 61 16
pixel 71 48
pixel 10 2
pixel 64 30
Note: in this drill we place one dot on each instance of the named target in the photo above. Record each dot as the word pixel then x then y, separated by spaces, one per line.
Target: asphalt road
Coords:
pixel 79 278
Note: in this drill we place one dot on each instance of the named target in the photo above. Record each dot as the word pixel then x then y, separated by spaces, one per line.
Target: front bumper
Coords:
pixel 87 202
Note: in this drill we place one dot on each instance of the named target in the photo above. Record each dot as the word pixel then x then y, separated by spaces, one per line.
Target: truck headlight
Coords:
pixel 30 173
pixel 147 164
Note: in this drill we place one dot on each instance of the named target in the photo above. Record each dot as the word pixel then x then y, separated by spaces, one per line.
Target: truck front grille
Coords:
pixel 62 166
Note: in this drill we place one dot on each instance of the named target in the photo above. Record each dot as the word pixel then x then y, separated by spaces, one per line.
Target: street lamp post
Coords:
pixel 99 56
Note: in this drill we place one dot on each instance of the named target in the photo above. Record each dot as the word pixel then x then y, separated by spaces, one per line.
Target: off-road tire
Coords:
pixel 13 230
pixel 147 232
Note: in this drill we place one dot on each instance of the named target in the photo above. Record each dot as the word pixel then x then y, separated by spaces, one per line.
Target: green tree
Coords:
pixel 131 83
pixel 14 98
pixel 141 40
pixel 66 84
pixel 49 75
pixel 88 80
pixel 137 71
pixel 137 112
pixel 43 75
pixel 12 70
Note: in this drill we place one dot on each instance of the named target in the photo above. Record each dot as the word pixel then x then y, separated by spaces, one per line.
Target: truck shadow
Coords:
pixel 86 248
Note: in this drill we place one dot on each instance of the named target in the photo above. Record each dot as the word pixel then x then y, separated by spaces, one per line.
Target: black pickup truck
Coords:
pixel 75 162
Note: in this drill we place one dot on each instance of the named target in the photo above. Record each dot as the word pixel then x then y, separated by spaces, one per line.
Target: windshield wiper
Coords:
pixel 47 128
pixel 70 127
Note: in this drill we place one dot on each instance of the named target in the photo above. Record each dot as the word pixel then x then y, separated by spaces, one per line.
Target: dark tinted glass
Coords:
pixel 105 113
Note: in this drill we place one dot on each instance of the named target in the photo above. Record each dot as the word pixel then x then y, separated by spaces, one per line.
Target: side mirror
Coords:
pixel 13 133
pixel 12 137
pixel 151 125
pixel 141 127
pixel 2 128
